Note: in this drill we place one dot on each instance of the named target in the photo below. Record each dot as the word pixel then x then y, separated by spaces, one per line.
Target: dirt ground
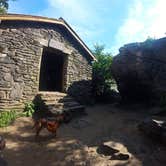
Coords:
pixel 76 142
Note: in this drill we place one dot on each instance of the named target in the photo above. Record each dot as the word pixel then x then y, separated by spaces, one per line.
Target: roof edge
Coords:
pixel 61 21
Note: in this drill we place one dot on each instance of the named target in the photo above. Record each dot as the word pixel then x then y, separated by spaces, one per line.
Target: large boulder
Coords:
pixel 140 70
pixel 154 129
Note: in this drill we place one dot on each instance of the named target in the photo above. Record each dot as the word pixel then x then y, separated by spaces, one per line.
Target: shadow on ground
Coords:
pixel 76 142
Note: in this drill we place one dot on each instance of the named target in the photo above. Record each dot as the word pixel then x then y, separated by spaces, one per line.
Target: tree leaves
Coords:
pixel 102 77
pixel 4 5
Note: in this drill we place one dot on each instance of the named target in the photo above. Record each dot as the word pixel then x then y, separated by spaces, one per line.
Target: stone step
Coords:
pixel 65 99
pixel 12 107
pixel 73 109
pixel 51 94
pixel 49 101
pixel 65 104
pixel 56 102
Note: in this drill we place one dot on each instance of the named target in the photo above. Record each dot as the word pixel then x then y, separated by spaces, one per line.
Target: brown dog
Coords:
pixel 51 124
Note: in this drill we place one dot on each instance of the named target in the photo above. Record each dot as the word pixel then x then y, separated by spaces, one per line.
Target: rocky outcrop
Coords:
pixel 154 129
pixel 140 70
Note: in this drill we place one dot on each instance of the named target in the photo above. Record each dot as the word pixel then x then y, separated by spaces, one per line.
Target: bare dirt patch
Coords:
pixel 77 142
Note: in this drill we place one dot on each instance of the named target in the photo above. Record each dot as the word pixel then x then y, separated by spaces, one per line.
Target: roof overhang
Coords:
pixel 60 21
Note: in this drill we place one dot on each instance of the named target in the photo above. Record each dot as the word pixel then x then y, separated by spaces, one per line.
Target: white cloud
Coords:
pixel 93 20
pixel 84 16
pixel 89 18
pixel 145 18
pixel 81 15
pixel 70 8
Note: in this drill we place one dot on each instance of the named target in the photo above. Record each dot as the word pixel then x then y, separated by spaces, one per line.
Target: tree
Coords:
pixel 102 77
pixel 4 5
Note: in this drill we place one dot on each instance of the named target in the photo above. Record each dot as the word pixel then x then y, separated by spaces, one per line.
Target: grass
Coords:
pixel 7 117
pixel 29 109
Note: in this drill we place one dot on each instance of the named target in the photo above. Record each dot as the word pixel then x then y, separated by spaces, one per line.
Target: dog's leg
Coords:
pixel 54 134
pixel 35 124
pixel 39 127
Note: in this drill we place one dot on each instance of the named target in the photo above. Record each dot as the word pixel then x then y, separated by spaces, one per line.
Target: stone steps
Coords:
pixel 52 94
pixel 64 104
pixel 56 102
pixel 7 106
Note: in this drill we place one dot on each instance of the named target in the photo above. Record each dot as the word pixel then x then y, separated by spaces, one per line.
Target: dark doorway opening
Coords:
pixel 51 70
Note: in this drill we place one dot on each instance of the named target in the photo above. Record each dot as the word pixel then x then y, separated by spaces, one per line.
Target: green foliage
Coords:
pixel 150 39
pixel 148 43
pixel 7 117
pixel 102 77
pixel 29 109
pixel 2 10
pixel 4 5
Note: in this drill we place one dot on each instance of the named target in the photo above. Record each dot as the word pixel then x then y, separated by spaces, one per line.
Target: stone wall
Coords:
pixel 21 46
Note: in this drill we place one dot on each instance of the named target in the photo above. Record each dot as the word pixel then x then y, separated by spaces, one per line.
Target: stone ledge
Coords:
pixel 55 44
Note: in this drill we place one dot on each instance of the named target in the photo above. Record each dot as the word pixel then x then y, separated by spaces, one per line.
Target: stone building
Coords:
pixel 44 56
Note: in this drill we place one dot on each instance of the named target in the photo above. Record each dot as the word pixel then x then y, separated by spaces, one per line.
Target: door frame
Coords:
pixel 64 68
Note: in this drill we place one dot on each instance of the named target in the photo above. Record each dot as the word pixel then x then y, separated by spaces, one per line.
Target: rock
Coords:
pixel 150 128
pixel 156 111
pixel 120 156
pixel 106 150
pixel 154 129
pixel 140 70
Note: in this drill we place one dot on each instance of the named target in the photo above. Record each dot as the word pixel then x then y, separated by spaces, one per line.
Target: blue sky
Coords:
pixel 109 22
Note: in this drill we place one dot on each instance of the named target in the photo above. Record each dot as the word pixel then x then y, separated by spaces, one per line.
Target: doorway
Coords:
pixel 51 70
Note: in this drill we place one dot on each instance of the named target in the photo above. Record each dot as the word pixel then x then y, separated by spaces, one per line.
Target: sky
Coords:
pixel 112 23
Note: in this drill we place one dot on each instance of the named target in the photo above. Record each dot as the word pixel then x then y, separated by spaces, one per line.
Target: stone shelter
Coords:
pixel 42 56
